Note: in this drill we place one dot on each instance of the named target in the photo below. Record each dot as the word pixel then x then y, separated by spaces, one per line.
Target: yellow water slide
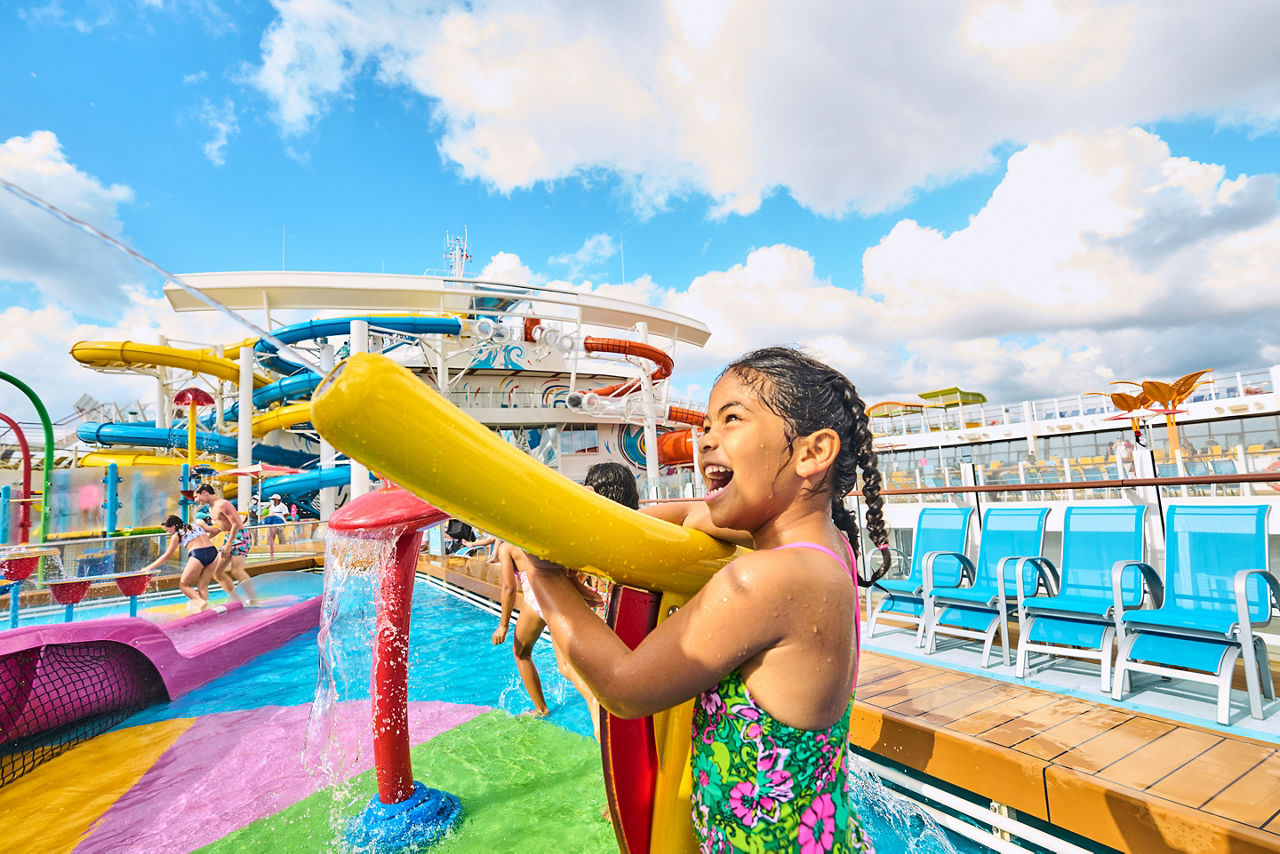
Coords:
pixel 106 355
pixel 124 459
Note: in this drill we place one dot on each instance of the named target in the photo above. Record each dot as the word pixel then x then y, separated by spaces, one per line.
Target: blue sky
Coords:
pixel 1023 198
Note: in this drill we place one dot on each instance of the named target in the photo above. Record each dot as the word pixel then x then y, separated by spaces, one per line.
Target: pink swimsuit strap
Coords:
pixel 847 564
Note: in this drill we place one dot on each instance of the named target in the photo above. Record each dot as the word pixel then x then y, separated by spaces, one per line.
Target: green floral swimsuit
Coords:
pixel 760 785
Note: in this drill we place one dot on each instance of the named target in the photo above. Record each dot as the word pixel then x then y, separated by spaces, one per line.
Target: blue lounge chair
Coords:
pixel 938 529
pixel 1218 587
pixel 1101 576
pixel 980 610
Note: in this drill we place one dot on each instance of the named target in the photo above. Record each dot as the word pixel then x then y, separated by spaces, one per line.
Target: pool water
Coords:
pixel 451 659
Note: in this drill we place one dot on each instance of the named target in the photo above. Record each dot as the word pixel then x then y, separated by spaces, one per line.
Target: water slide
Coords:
pixel 310 330
pixel 461 467
pixel 308 481
pixel 146 436
pixel 126 354
pixel 675 447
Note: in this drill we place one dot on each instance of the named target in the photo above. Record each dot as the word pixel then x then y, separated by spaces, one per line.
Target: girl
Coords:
pixel 202 553
pixel 770 644
pixel 615 482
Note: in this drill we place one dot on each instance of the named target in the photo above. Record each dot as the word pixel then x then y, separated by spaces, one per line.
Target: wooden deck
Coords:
pixel 1131 781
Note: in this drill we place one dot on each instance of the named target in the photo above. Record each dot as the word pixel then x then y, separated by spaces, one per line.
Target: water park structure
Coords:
pixel 487 401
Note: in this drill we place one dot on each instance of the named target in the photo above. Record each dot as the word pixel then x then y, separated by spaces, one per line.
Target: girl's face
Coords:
pixel 744 457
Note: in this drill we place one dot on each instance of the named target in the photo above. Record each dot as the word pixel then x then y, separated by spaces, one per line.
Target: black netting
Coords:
pixel 55 696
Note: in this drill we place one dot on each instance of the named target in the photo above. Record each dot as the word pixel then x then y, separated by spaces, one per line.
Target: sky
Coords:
pixel 1019 197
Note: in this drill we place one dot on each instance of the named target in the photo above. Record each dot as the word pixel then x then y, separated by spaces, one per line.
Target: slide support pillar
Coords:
pixel 359 471
pixel 244 438
pixel 328 493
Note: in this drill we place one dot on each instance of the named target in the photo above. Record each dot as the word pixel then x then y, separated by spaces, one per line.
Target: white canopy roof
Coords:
pixel 383 292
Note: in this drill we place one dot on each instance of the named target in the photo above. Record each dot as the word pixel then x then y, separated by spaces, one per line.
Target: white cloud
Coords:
pixel 844 106
pixel 63 263
pixel 507 267
pixel 1098 257
pixel 195 77
pixel 37 346
pixel 594 250
pixel 222 121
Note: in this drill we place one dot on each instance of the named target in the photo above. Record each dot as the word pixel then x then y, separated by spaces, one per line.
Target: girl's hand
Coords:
pixel 589 594
pixel 499 635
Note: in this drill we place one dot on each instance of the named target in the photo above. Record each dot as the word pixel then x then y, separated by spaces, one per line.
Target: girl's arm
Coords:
pixel 729 621
pixel 509 585
pixel 694 514
pixel 173 544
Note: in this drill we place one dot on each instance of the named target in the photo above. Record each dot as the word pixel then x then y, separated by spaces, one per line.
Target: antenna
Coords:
pixel 622 251
pixel 455 254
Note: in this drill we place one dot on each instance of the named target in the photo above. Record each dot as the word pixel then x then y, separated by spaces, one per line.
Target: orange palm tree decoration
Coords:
pixel 1167 396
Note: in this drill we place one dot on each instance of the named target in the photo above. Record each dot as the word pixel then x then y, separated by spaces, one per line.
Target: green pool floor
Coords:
pixel 524 784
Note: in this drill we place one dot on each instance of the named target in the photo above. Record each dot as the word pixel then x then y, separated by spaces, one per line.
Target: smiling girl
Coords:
pixel 770 645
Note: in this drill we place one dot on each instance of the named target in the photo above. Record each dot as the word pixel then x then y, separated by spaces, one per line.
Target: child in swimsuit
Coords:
pixel 769 646
pixel 615 482
pixel 201 553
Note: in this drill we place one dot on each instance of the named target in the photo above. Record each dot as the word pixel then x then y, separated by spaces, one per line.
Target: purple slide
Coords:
pixel 53 675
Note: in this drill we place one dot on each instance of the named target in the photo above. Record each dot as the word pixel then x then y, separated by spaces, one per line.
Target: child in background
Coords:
pixel 615 482
pixel 770 645
pixel 201 554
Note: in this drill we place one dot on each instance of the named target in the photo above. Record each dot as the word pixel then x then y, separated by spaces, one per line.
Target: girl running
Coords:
pixel 201 554
pixel 770 645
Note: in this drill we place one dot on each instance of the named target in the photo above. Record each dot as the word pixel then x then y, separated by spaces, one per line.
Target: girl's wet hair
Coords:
pixel 809 396
pixel 615 482
pixel 172 521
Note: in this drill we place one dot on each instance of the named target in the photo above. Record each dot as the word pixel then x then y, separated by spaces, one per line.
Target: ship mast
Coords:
pixel 455 254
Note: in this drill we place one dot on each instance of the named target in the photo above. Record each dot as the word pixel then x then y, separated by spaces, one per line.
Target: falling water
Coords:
pixel 352 568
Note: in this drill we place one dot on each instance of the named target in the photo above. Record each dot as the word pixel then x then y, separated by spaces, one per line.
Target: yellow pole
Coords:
pixel 191 435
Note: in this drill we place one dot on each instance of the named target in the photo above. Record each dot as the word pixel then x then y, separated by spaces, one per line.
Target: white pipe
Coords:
pixel 359 344
pixel 650 420
pixel 328 495
pixel 244 438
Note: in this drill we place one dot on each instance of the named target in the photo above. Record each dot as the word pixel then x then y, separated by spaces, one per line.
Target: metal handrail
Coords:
pixel 1251 477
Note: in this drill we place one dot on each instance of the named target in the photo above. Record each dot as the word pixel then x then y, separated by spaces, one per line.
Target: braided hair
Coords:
pixel 809 396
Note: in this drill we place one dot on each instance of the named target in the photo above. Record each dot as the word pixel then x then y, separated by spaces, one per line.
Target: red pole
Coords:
pixel 392 766
pixel 384 514
pixel 24 512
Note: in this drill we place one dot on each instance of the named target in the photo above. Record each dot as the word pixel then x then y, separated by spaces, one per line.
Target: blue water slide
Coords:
pixel 176 437
pixel 296 387
pixel 312 329
pixel 308 481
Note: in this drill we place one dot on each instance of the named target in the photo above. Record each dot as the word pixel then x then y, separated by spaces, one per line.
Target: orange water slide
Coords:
pixel 624 347
pixel 674 448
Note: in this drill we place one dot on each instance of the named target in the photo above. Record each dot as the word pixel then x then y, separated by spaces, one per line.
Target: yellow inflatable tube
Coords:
pixel 378 413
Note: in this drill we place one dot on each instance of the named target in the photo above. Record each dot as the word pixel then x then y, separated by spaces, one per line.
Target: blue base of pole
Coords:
pixel 416 823
pixel 15 602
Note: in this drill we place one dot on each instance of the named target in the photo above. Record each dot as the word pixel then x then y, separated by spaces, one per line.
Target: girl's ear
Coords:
pixel 816 453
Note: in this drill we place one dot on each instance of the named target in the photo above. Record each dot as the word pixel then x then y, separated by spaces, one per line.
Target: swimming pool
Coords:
pixel 218 756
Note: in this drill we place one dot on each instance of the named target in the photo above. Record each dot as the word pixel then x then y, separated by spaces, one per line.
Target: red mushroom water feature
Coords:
pixel 191 398
pixel 404 813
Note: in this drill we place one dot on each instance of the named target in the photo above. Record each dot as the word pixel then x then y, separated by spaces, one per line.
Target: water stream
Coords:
pixel 352 569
